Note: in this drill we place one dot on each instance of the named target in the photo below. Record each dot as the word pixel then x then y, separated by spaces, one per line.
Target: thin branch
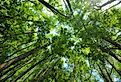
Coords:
pixel 69 5
pixel 51 7
pixel 107 3
pixel 114 5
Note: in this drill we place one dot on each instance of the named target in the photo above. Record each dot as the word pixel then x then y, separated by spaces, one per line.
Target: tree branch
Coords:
pixel 69 5
pixel 51 7
pixel 108 2
pixel 114 5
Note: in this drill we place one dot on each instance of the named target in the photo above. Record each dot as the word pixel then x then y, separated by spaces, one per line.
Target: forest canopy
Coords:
pixel 60 41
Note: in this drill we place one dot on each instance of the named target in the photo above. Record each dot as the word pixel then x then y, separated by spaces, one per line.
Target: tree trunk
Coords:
pixel 118 58
pixel 23 56
pixel 118 71
pixel 23 73
pixel 113 43
pixel 103 74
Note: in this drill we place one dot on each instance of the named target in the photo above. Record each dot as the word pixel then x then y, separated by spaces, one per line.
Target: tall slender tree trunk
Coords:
pixel 103 74
pixel 19 58
pixel 118 71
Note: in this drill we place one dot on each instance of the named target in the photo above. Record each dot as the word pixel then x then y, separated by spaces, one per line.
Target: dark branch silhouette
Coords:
pixel 108 2
pixel 51 7
pixel 113 43
pixel 69 5
pixel 118 58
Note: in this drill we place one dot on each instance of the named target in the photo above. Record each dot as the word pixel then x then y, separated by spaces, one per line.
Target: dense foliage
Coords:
pixel 59 41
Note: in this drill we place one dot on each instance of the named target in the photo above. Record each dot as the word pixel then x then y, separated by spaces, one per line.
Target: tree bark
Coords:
pixel 108 74
pixel 103 75
pixel 48 71
pixel 23 56
pixel 118 71
pixel 113 43
pixel 23 73
pixel 69 5
pixel 118 58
